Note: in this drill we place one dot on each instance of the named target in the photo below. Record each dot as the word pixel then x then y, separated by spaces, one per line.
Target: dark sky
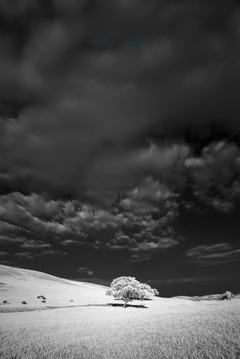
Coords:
pixel 120 140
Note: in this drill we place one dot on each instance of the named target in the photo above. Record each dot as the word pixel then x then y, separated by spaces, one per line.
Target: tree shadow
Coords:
pixel 127 305
pixel 99 305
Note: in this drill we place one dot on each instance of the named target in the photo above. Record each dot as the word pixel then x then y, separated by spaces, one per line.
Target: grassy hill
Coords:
pixel 164 329
pixel 17 285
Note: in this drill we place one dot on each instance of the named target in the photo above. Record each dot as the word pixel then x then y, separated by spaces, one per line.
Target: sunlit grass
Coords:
pixel 171 328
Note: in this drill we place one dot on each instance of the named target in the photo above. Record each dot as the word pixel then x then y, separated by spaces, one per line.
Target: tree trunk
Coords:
pixel 125 304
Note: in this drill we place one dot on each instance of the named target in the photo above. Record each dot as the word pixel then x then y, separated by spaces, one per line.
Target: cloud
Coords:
pixel 76 118
pixel 32 253
pixel 215 175
pixel 144 251
pixel 33 245
pixel 85 271
pixel 101 145
pixel 25 256
pixel 219 253
pixel 150 196
pixel 139 221
pixel 9 240
pixel 69 242
pixel 186 280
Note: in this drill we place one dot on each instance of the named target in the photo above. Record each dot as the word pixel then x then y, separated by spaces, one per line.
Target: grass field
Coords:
pixel 166 329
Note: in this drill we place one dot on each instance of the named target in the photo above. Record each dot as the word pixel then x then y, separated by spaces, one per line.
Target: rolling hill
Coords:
pixel 92 328
pixel 17 285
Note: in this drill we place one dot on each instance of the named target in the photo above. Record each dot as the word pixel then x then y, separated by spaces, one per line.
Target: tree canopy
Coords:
pixel 129 288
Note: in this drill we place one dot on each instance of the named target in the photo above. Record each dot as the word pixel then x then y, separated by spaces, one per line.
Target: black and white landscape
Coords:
pixel 119 157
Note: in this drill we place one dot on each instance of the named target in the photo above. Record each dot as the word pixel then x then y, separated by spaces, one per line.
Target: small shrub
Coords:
pixel 5 301
pixel 229 295
pixel 24 302
pixel 226 296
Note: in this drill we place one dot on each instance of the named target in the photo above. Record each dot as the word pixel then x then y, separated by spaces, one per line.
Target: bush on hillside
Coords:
pixel 227 295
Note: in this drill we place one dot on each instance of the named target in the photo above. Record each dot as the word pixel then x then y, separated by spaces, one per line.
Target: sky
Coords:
pixel 120 141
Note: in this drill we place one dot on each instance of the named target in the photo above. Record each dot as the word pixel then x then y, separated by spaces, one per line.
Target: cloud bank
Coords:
pixel 114 117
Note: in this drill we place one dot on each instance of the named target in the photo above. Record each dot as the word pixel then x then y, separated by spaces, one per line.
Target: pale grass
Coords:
pixel 25 285
pixel 168 328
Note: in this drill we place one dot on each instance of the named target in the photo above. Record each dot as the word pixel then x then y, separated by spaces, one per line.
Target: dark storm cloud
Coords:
pixel 215 175
pixel 139 223
pixel 109 112
pixel 85 114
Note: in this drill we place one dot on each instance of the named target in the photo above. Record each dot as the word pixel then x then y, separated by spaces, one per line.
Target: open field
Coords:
pixel 168 328
pixel 165 329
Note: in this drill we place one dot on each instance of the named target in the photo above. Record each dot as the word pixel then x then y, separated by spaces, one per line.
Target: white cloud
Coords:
pixel 85 271
pixel 218 253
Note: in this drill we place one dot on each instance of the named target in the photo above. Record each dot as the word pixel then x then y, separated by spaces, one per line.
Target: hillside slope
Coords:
pixel 17 285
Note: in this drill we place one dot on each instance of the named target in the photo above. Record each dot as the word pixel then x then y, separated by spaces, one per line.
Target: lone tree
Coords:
pixel 128 289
